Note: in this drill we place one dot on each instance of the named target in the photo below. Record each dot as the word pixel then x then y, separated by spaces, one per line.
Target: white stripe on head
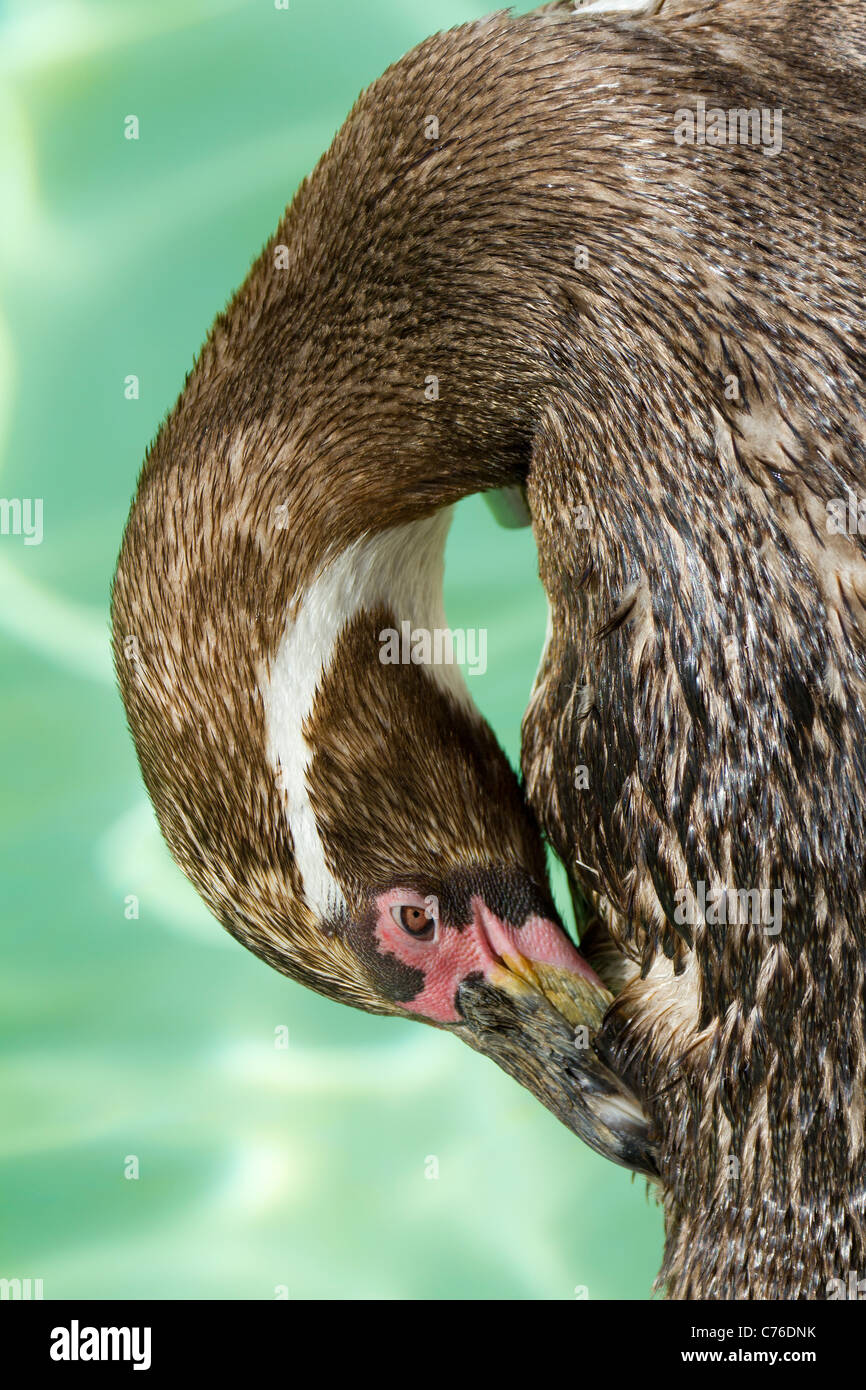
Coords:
pixel 609 6
pixel 400 569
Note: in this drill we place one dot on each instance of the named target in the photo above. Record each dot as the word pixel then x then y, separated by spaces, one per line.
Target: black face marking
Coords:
pixel 509 893
pixel 390 977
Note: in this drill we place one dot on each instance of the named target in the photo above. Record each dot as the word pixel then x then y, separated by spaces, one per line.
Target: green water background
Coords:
pixel 306 1167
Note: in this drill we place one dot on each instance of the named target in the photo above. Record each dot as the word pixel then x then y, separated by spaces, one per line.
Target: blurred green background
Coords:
pixel 303 1168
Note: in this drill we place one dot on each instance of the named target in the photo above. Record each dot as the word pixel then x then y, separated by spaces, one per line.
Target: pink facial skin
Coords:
pixel 449 956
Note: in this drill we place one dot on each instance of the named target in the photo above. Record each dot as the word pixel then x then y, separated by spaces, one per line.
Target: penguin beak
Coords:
pixel 534 1010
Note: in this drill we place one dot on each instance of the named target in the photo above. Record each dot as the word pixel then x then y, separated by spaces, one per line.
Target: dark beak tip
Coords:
pixel 535 1044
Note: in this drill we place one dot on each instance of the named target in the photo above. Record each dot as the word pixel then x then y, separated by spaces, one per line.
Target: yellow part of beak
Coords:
pixel 573 996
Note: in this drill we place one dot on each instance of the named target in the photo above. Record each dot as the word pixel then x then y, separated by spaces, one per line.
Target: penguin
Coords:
pixel 609 263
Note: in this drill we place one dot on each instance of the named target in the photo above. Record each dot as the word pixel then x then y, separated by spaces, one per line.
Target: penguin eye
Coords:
pixel 414 920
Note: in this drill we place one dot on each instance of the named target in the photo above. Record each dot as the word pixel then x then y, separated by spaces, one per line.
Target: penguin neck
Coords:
pixel 380 585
